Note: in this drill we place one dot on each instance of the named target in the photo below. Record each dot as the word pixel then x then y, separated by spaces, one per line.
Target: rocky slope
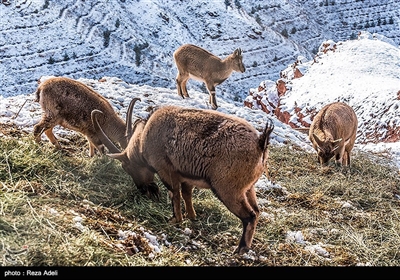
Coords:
pixel 363 73
pixel 134 40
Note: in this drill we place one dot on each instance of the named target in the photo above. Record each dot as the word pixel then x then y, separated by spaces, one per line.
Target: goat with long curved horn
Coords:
pixel 129 118
pixel 202 148
pixel 104 139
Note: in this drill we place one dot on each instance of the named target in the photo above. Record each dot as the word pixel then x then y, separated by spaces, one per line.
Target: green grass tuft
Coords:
pixel 62 208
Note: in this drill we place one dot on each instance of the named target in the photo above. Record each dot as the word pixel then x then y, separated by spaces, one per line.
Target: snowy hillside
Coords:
pixel 364 73
pixel 367 77
pixel 130 43
pixel 134 40
pixel 25 113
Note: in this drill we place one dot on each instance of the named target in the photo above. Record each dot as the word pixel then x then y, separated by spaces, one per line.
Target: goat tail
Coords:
pixel 37 93
pixel 265 136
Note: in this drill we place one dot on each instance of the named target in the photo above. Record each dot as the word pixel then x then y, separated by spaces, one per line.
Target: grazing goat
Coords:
pixel 199 64
pixel 202 148
pixel 69 103
pixel 333 133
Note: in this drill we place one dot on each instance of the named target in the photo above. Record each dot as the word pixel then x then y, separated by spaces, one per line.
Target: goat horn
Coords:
pixel 103 137
pixel 129 117
pixel 334 149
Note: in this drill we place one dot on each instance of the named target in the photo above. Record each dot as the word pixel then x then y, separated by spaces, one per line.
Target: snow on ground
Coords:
pixel 22 111
pixel 363 73
pixel 339 77
pixel 342 75
pixel 25 113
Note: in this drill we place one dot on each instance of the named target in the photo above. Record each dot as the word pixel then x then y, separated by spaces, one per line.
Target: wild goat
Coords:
pixel 69 103
pixel 202 148
pixel 333 133
pixel 199 64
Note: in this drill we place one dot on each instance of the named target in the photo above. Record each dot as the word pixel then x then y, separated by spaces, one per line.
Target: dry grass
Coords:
pixel 61 208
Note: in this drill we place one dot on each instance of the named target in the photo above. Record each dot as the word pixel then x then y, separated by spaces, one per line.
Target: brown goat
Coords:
pixel 333 133
pixel 199 64
pixel 69 103
pixel 202 148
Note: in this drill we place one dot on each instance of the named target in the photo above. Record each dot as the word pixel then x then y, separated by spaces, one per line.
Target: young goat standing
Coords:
pixel 199 64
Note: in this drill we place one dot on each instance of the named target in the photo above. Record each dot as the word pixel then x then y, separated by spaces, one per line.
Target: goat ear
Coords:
pixel 237 52
pixel 319 142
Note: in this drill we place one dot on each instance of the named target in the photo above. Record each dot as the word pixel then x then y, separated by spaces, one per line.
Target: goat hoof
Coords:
pixel 241 250
pixel 174 220
pixel 190 217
